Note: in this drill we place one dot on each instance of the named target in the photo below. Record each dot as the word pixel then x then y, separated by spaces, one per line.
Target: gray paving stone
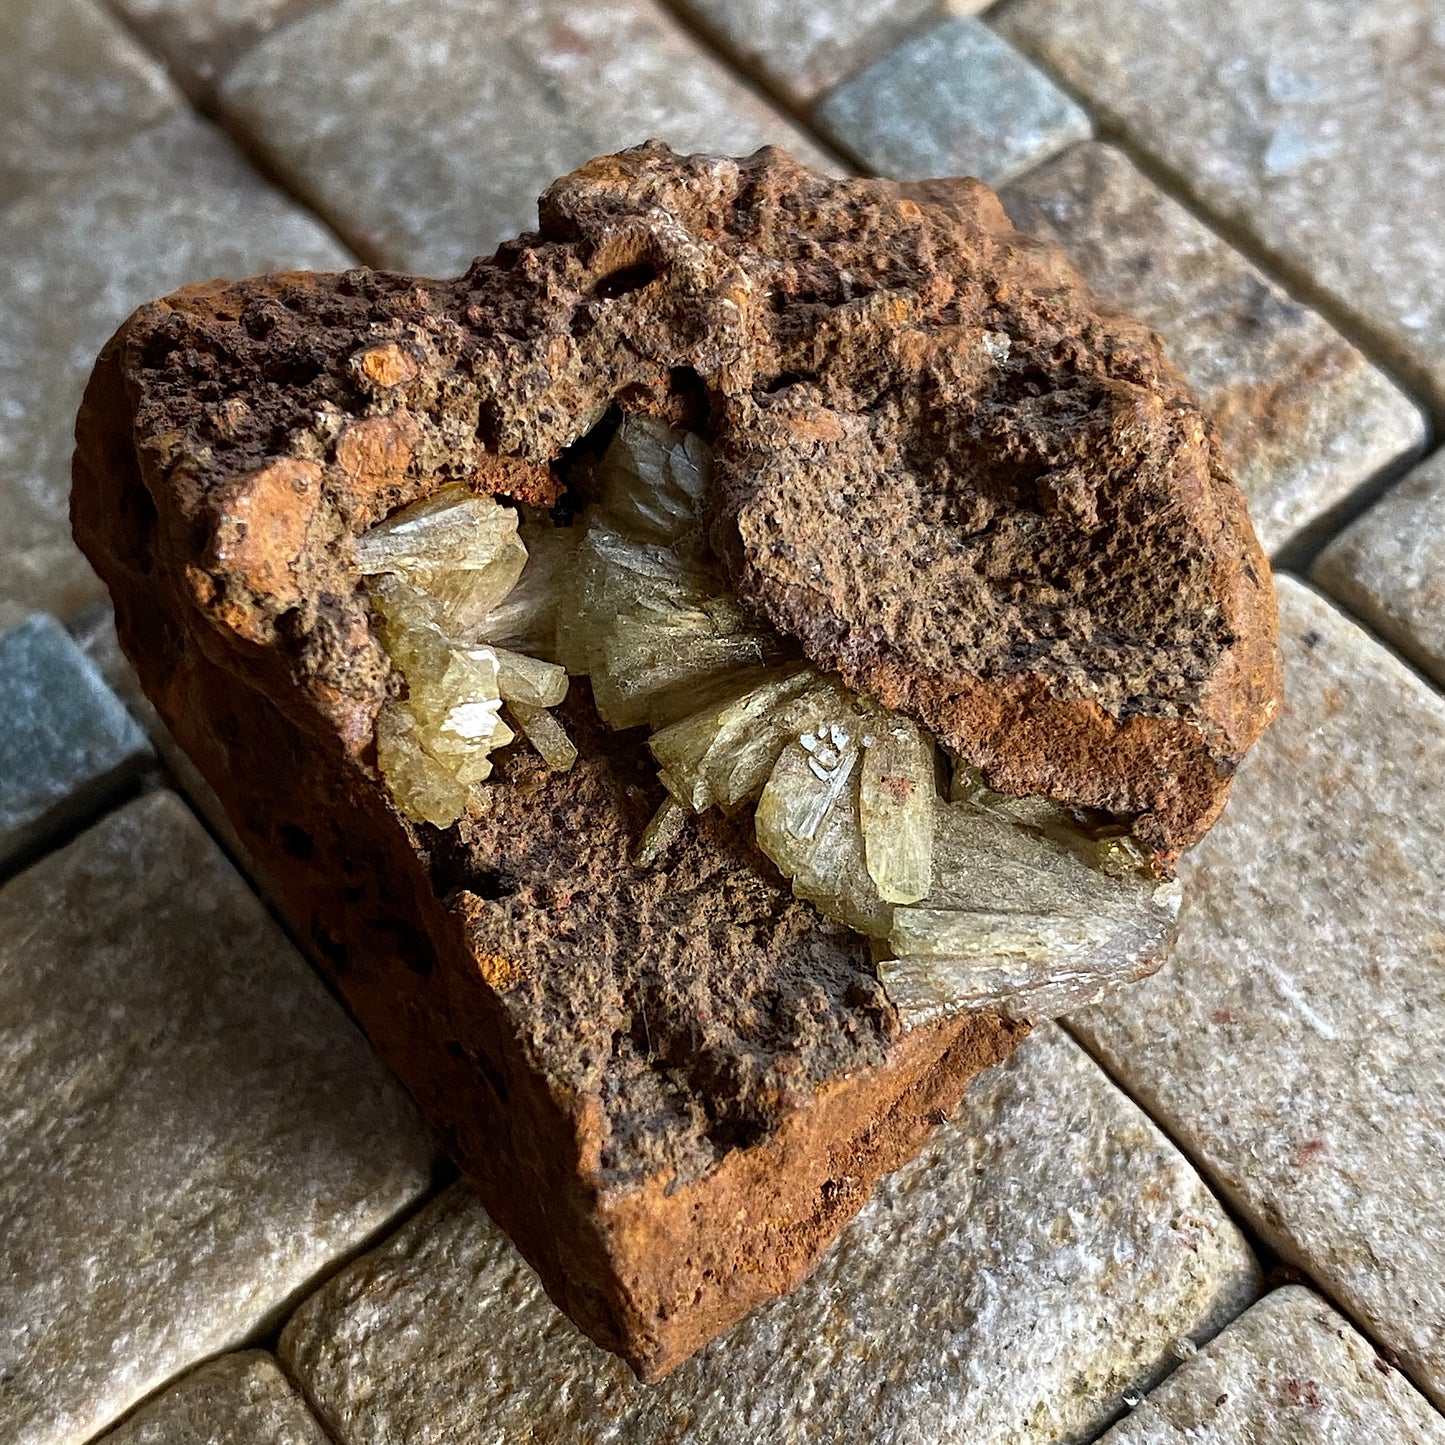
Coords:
pixel 954 101
pixel 1309 128
pixel 1388 568
pixel 191 1127
pixel 66 741
pixel 1303 417
pixel 426 129
pixel 1289 1372
pixel 1295 1044
pixel 71 82
pixel 803 47
pixel 174 204
pixel 242 1399
pixel 201 39
pixel 1039 1258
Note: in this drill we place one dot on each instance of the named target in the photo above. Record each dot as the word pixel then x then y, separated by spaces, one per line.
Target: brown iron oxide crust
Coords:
pixel 674 1086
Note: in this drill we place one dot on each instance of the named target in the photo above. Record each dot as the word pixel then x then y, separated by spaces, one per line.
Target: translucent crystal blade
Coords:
pixel 461 552
pixel 525 620
pixel 657 635
pixel 652 479
pixel 523 679
pixel 545 734
pixel 895 798
pixel 1022 920
pixel 426 790
pixel 700 754
pixel 662 831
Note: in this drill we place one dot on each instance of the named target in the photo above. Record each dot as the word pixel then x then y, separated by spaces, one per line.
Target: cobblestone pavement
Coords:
pixel 1214 1212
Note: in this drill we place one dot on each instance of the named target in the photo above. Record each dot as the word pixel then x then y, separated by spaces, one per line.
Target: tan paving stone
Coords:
pixel 1303 417
pixel 191 1127
pixel 1039 1258
pixel 1295 1044
pixel 176 203
pixel 1388 568
pixel 1289 1372
pixel 72 83
pixel 241 1399
pixel 426 129
pixel 803 47
pixel 1311 129
pixel 953 101
pixel 201 39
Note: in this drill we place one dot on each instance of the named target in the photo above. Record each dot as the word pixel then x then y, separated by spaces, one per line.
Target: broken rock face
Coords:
pixel 919 492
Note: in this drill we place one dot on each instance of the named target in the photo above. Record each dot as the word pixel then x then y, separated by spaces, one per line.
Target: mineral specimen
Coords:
pixel 941 487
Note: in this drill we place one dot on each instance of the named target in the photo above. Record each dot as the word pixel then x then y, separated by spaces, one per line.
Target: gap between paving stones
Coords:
pixel 1278 1273
pixel 1369 340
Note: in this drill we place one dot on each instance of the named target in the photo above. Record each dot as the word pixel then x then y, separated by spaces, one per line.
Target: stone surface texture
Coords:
pixel 1303 418
pixel 71 82
pixel 1291 1371
pixel 426 129
pixel 954 101
pixel 174 204
pixel 805 47
pixel 242 1399
pixel 1039 1259
pixel 192 1129
pixel 66 741
pixel 1311 132
pixel 1295 1046
pixel 1388 567
pixel 202 39
pixel 750 1128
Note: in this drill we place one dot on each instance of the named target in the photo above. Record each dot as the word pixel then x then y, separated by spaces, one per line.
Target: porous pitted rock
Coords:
pixel 940 467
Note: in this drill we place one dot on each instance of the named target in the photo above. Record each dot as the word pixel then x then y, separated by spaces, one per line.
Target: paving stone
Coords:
pixel 1310 129
pixel 1291 1371
pixel 804 47
pixel 1039 1258
pixel 242 1399
pixel 954 101
pixel 176 203
pixel 201 39
pixel 71 82
pixel 1388 568
pixel 1303 417
pixel 192 1129
pixel 1295 1045
pixel 66 741
pixel 426 129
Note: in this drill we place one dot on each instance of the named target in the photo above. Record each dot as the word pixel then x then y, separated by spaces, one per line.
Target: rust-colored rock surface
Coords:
pixel 941 467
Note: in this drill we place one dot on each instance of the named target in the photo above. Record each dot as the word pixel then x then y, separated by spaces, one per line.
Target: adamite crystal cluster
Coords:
pixel 443 582
pixel 973 899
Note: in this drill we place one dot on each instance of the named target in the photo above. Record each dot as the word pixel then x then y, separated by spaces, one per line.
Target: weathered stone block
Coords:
pixel 175 204
pixel 192 1129
pixel 1291 1371
pixel 1037 1260
pixel 1388 568
pixel 426 129
pixel 1295 1045
pixel 242 1399
pixel 72 83
pixel 1303 417
pixel 955 101
pixel 1311 133
pixel 66 741
pixel 804 47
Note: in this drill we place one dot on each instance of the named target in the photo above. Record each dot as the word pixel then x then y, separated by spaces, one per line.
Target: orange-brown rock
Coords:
pixel 940 466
